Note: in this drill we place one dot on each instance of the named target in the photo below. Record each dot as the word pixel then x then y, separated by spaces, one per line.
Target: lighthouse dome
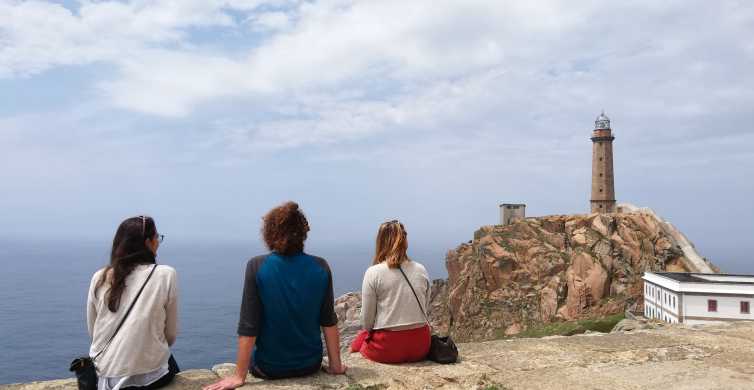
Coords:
pixel 602 122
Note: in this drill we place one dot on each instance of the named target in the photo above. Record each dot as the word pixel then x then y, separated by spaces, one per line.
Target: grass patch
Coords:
pixel 356 386
pixel 569 328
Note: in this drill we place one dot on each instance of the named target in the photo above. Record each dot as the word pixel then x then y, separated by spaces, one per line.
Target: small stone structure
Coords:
pixel 512 212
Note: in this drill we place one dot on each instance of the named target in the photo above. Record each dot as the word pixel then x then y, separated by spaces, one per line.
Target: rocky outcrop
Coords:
pixel 694 261
pixel 675 357
pixel 555 268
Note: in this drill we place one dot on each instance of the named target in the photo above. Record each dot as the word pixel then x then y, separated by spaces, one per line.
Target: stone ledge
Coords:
pixel 677 357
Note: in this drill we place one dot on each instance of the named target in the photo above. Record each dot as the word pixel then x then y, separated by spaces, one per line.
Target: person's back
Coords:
pixel 287 299
pixel 390 302
pixel 138 357
pixel 296 292
pixel 143 343
pixel 394 301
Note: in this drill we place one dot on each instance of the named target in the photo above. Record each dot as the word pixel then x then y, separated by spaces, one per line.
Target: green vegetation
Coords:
pixel 356 386
pixel 494 387
pixel 604 325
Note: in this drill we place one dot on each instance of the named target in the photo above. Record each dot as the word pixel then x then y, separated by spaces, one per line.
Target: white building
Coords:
pixel 693 298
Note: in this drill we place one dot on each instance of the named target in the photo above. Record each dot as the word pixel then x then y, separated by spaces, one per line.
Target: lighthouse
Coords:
pixel 603 186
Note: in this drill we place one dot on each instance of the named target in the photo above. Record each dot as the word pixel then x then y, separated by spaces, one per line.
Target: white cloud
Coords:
pixel 340 70
pixel 271 21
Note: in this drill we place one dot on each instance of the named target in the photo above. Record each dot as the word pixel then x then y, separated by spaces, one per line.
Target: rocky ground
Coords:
pixel 672 357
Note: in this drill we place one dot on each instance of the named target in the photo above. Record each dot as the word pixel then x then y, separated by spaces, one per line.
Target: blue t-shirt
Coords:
pixel 285 301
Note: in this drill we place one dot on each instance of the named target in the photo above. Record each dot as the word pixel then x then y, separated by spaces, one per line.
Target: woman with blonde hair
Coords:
pixel 395 297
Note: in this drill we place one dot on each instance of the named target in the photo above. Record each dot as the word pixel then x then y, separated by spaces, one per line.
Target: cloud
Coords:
pixel 270 21
pixel 331 71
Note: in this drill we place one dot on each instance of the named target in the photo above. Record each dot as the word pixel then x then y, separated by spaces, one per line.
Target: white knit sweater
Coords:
pixel 142 344
pixel 386 299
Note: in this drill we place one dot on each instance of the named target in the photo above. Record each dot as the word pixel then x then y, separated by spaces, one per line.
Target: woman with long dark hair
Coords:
pixel 138 357
pixel 395 328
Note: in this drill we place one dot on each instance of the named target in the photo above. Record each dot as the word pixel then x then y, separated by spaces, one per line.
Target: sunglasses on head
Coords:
pixel 160 237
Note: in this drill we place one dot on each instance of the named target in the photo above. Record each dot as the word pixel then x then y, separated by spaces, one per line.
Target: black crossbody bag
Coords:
pixel 86 373
pixel 441 349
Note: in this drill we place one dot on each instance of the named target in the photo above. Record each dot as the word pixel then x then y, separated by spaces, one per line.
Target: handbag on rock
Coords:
pixel 441 349
pixel 83 367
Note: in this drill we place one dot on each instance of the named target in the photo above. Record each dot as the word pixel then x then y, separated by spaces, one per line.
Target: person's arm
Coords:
pixel 248 328
pixel 171 310
pixel 91 308
pixel 328 320
pixel 368 301
pixel 243 361
pixel 332 341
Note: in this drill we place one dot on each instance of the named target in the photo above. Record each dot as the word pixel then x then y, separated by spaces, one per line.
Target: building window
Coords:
pixel 673 302
pixel 712 305
pixel 600 175
pixel 600 158
pixel 744 307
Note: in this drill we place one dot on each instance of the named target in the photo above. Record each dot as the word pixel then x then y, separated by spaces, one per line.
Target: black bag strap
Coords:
pixel 127 313
pixel 415 296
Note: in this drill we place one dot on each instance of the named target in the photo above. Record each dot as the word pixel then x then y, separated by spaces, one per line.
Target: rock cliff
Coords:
pixel 555 268
pixel 674 357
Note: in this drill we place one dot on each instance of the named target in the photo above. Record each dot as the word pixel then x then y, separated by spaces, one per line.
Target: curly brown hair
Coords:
pixel 284 229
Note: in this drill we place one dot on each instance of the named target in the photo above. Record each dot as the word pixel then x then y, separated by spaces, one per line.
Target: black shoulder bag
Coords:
pixel 86 373
pixel 441 349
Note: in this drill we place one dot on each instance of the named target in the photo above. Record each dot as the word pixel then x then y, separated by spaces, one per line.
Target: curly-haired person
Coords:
pixel 287 298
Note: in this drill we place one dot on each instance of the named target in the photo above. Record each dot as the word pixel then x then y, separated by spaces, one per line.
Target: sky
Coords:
pixel 207 113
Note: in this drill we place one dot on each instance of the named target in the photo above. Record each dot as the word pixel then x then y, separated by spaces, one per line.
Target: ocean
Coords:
pixel 43 287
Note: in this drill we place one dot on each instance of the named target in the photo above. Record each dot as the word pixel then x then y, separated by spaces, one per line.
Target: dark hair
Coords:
pixel 284 229
pixel 129 250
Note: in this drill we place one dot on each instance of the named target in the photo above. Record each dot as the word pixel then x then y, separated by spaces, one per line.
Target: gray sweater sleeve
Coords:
pixel 250 319
pixel 368 301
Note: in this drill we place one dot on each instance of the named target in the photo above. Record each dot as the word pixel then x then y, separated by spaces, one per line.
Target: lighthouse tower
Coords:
pixel 603 187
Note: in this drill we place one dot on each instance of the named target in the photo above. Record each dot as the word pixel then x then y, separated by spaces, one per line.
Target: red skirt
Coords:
pixel 393 346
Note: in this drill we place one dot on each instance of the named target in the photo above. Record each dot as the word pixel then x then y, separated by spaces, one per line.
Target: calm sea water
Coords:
pixel 43 288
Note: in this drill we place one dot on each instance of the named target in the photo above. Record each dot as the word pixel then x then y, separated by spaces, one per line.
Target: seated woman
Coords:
pixel 138 357
pixel 287 297
pixel 395 327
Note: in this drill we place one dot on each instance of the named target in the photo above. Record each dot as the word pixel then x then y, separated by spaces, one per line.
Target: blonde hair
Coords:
pixel 392 244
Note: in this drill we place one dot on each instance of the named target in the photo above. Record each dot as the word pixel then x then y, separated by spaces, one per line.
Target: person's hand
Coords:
pixel 335 370
pixel 228 383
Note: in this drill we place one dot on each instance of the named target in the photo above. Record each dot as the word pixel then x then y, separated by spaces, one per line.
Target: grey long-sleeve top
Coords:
pixel 386 299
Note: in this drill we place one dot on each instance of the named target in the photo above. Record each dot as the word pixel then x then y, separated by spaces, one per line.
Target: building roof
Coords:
pixel 688 277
